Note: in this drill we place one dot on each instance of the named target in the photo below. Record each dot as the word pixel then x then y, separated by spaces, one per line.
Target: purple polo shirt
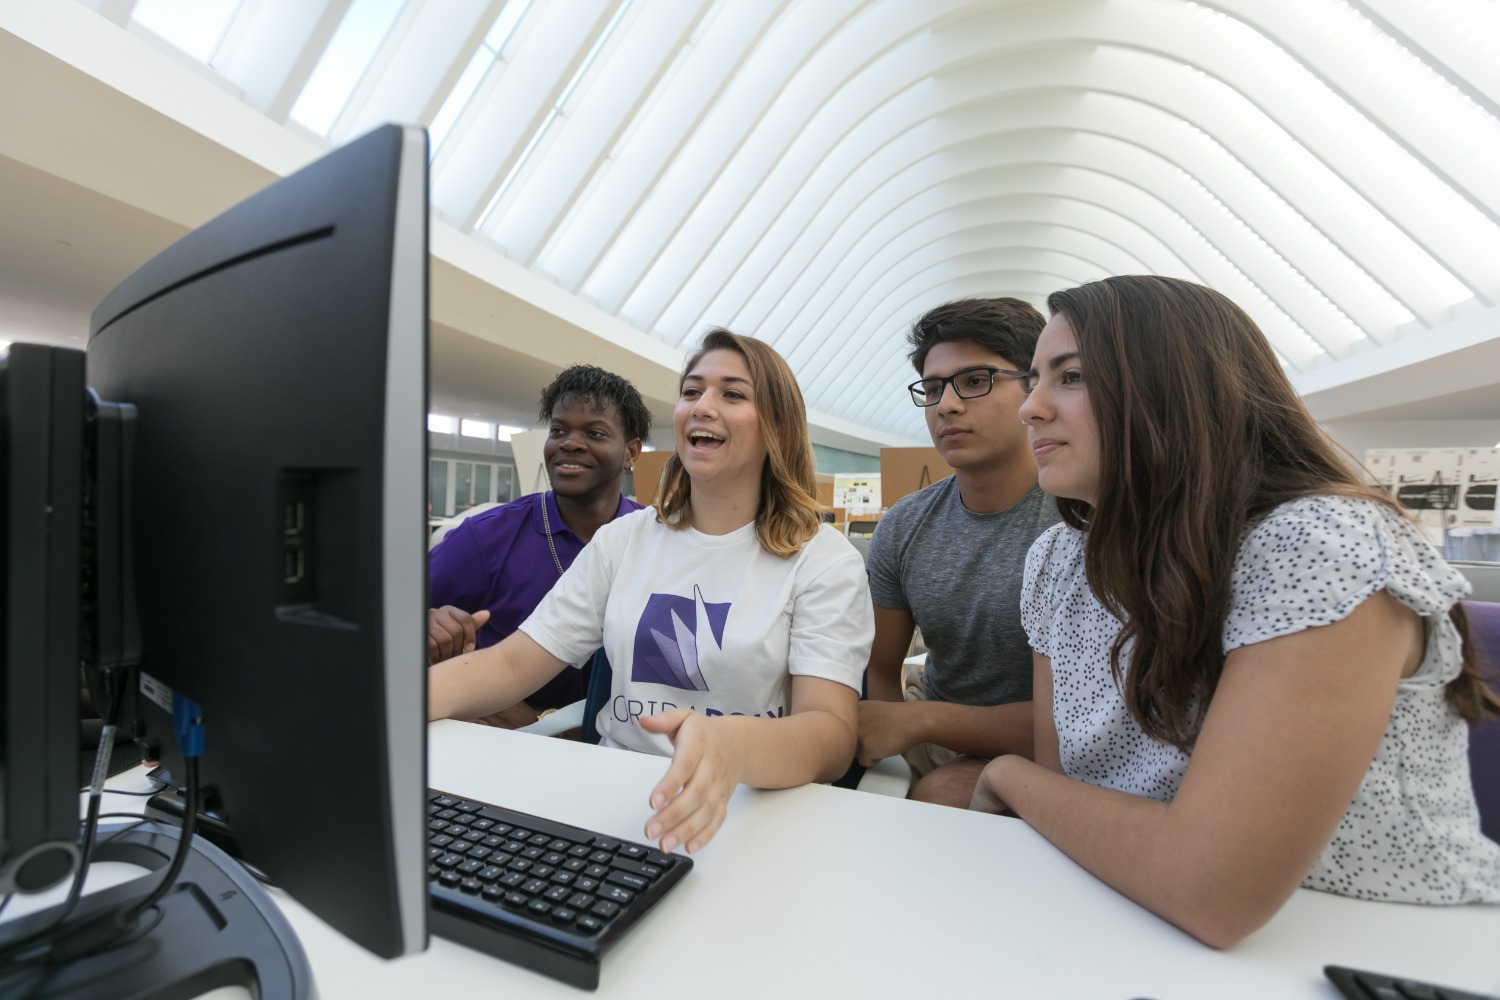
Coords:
pixel 499 559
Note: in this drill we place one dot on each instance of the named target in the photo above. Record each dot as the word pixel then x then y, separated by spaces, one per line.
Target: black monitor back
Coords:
pixel 277 360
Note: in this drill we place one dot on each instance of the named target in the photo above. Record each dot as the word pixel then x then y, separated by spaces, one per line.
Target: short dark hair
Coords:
pixel 1005 326
pixel 593 385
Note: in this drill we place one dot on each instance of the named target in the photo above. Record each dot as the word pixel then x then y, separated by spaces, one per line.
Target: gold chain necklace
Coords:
pixel 547 526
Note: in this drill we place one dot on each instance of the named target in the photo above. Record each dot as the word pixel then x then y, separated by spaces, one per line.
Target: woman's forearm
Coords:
pixel 488 680
pixel 1140 847
pixel 808 746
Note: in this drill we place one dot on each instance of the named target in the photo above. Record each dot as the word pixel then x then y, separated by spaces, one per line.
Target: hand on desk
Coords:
pixel 451 632
pixel 690 800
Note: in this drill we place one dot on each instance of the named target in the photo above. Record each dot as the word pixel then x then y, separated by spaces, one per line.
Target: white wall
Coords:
pixel 1359 435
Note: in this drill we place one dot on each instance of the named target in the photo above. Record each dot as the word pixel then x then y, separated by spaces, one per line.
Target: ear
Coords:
pixel 632 452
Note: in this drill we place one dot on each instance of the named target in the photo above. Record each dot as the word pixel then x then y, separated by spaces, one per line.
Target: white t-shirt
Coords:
pixel 713 623
pixel 1412 832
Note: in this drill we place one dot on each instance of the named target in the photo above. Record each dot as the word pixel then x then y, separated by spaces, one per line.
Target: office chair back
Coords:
pixel 1484 739
pixel 596 695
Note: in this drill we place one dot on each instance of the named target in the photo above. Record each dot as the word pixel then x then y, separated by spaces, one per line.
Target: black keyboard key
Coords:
pixel 470 807
pixel 586 884
pixel 449 860
pixel 563 915
pixel 615 894
pixel 482 824
pixel 575 865
pixel 437 824
pixel 633 851
pixel 629 880
pixel 558 844
pixel 533 886
pixel 441 840
pixel 540 907
pixel 601 857
pixel 516 899
pixel 471 866
pixel 557 893
pixel 596 871
pixel 604 908
pixel 512 879
pixel 635 868
pixel 471 885
pixel 659 859
pixel 444 801
pixel 606 844
pixel 579 851
pixel 450 877
pixel 492 873
pixel 582 900
pixel 590 925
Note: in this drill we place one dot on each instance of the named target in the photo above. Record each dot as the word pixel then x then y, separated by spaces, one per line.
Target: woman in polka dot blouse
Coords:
pixel 1250 672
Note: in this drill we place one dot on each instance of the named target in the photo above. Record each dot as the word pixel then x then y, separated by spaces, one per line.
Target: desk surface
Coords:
pixel 832 892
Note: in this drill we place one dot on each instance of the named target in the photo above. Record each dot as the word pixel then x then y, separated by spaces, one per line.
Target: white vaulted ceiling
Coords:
pixel 819 172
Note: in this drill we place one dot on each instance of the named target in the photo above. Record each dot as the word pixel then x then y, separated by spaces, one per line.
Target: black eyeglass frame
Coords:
pixel 918 394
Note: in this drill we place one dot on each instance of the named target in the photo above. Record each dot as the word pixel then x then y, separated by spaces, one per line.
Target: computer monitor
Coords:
pixel 277 359
pixel 42 401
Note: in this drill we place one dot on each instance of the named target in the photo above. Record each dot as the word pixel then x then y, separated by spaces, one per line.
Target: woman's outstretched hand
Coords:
pixel 691 798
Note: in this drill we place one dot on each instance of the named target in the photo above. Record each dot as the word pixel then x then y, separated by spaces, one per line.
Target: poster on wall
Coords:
pixel 1446 489
pixel 1479 472
pixel 857 493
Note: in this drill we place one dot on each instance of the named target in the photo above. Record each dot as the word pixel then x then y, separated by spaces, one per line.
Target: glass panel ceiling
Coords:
pixel 824 170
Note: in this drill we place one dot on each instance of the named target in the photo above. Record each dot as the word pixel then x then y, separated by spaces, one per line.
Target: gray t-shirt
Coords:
pixel 959 574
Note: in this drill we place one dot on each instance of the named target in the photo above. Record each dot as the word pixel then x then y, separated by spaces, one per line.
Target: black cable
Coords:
pixel 113 681
pixel 184 847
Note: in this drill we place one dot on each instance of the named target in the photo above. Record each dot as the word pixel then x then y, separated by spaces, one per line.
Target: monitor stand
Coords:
pixel 218 927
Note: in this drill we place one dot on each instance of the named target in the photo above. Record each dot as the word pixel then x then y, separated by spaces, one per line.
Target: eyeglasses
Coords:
pixel 971 383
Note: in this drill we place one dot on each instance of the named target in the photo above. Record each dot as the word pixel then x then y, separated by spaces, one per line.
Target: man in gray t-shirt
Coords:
pixel 948 559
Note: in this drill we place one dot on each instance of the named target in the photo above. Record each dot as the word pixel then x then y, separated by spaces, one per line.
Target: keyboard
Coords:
pixel 1357 985
pixel 544 895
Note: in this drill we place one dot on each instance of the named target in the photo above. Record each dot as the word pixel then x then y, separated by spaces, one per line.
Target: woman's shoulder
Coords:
pixel 1341 548
pixel 1056 546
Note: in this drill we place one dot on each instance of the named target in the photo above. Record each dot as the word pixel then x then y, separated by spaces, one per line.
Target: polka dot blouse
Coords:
pixel 1412 831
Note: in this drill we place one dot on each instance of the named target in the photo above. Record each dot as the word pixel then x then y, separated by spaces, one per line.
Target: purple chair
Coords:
pixel 1484 739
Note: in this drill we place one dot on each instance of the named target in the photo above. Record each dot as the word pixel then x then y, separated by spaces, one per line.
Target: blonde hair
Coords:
pixel 787 516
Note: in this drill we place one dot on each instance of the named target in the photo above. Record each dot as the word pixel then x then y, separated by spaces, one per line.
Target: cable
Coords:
pixel 112 680
pixel 124 923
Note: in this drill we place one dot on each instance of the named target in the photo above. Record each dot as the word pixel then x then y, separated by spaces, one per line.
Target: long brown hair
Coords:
pixel 1200 434
pixel 788 514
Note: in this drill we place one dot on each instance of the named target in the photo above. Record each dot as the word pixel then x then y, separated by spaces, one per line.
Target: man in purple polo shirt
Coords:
pixel 492 569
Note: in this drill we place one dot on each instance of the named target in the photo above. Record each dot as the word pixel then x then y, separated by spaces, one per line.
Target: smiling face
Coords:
pixel 716 424
pixel 1059 419
pixel 974 434
pixel 586 451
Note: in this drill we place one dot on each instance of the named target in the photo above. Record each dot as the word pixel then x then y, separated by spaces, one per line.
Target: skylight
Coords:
pixel 194 26
pixel 348 55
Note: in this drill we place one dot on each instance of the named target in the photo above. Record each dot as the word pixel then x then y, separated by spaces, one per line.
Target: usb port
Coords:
pixel 294 564
pixel 291 517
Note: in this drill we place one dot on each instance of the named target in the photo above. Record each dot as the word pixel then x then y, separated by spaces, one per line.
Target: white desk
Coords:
pixel 814 891
pixel 825 892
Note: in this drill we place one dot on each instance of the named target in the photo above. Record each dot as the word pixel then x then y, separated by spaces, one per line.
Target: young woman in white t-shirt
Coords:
pixel 737 625
pixel 1250 667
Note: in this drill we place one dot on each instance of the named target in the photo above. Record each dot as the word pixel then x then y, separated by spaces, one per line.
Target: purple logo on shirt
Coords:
pixel 666 641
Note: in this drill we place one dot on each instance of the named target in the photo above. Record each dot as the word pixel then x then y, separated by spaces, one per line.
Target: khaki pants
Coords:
pixel 923 758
